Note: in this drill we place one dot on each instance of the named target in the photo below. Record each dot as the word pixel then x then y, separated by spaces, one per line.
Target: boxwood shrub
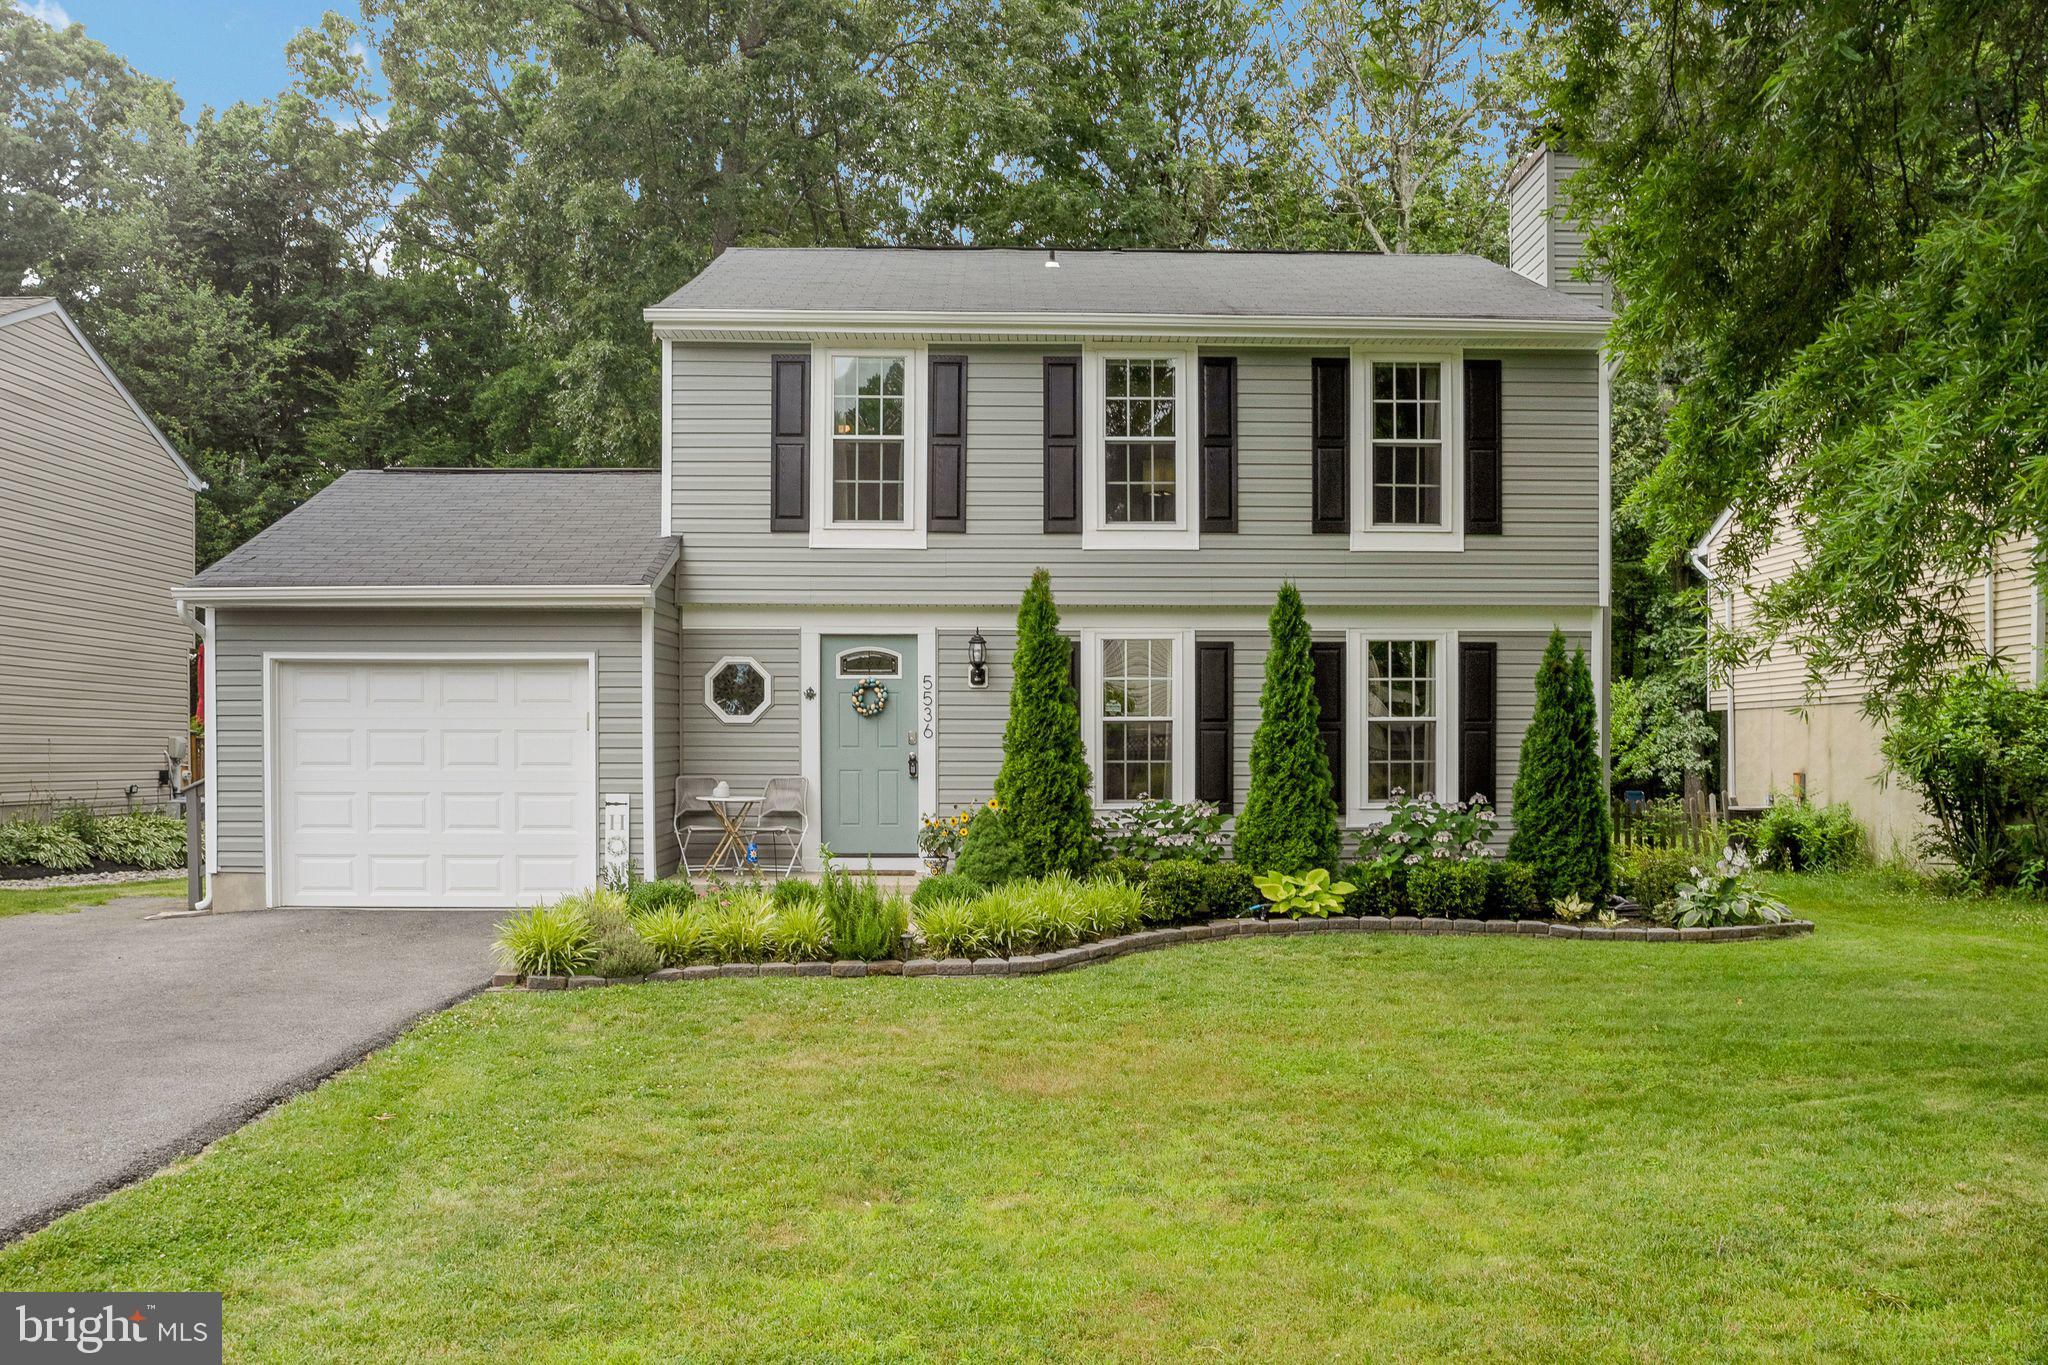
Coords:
pixel 1174 890
pixel 1454 890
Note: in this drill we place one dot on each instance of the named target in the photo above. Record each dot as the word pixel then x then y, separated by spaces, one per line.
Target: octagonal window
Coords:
pixel 738 690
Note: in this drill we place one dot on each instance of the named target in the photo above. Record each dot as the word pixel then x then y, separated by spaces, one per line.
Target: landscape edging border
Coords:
pixel 1145 940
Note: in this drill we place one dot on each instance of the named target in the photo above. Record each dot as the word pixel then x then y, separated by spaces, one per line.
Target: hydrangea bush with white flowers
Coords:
pixel 1725 895
pixel 1163 829
pixel 1422 828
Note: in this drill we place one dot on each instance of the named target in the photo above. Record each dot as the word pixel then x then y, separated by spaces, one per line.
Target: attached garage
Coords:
pixel 406 782
pixel 442 689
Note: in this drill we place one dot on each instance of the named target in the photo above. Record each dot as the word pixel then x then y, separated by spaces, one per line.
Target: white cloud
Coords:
pixel 49 11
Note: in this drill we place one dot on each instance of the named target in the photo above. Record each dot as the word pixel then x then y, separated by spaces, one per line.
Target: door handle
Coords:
pixel 913 765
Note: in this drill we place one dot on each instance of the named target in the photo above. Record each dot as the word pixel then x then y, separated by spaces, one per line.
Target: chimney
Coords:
pixel 1543 244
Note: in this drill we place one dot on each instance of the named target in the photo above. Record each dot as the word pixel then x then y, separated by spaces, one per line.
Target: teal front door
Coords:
pixel 868 771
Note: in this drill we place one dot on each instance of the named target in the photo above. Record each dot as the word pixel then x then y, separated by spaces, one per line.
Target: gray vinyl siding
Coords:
pixel 95 534
pixel 667 675
pixel 1549 555
pixel 243 637
pixel 1568 238
pixel 1528 235
pixel 744 755
pixel 971 720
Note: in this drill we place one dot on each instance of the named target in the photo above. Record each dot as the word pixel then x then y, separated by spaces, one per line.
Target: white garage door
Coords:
pixel 434 784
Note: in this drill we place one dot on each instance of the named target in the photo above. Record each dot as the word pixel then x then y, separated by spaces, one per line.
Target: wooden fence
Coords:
pixel 1694 822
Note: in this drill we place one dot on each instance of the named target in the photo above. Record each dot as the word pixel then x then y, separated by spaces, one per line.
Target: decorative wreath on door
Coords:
pixel 870 698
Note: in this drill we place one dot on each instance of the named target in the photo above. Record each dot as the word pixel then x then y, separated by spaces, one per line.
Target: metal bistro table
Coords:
pixel 732 813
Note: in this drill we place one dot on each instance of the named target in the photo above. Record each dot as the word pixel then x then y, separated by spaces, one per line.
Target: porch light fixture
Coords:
pixel 977 659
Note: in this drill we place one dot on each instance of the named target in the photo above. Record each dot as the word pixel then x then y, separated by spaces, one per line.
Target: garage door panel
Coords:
pixel 438 783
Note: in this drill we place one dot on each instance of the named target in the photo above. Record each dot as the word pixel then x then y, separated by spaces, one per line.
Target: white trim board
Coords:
pixel 741 323
pixel 668 437
pixel 647 844
pixel 618 596
pixel 272 658
pixel 1202 620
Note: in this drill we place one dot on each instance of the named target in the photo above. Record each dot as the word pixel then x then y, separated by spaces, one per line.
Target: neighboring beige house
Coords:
pixel 96 532
pixel 1781 739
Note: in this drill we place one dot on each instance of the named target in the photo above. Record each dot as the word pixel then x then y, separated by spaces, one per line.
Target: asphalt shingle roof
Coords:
pixel 461 528
pixel 1250 284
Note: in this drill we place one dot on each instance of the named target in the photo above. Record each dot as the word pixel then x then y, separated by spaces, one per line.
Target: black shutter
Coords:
pixel 1327 656
pixel 1478 673
pixel 1219 443
pixel 1482 449
pixel 946 488
pixel 1063 445
pixel 1213 660
pixel 1330 445
pixel 789 450
pixel 1074 667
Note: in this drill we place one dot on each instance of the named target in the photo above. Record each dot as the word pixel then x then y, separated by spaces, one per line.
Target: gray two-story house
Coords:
pixel 463 688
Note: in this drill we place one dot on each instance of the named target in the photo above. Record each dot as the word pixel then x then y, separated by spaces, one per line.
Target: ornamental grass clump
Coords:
pixel 800 932
pixel 548 940
pixel 950 929
pixel 676 935
pixel 1289 821
pixel 736 928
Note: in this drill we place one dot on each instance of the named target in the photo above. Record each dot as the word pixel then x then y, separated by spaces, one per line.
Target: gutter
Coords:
pixel 615 595
pixel 784 322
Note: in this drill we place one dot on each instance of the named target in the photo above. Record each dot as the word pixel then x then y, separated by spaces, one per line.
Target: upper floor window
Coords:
pixel 1139 464
pixel 1408 474
pixel 867 457
pixel 868 432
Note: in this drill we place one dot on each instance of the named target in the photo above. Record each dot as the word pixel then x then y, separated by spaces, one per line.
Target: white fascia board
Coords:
pixel 192 479
pixel 688 323
pixel 487 595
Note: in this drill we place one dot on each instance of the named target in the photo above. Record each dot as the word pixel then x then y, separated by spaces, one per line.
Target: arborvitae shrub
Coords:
pixel 1043 784
pixel 1289 822
pixel 1560 806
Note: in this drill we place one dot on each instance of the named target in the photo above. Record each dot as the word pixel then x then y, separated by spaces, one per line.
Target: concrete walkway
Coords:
pixel 126 1042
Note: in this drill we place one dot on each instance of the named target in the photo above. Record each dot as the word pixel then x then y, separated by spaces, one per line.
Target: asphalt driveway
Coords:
pixel 126 1042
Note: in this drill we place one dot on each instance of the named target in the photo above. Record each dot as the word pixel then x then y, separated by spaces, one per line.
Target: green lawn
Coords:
pixel 64 899
pixel 1284 1149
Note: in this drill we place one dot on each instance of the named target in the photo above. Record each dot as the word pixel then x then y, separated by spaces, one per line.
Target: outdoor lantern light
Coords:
pixel 977 660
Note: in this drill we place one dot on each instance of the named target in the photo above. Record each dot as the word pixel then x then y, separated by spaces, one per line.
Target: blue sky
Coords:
pixel 214 51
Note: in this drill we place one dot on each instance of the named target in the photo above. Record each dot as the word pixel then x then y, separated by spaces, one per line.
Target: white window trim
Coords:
pixel 1185 531
pixel 1183 640
pixel 1362 812
pixel 1451 535
pixel 767 690
pixel 910 533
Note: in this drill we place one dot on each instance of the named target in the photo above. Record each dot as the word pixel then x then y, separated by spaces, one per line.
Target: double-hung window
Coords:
pixel 1138 693
pixel 1139 467
pixel 1410 493
pixel 1404 696
pixel 867 461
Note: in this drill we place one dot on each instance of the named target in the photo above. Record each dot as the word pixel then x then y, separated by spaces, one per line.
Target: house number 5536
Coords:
pixel 927 704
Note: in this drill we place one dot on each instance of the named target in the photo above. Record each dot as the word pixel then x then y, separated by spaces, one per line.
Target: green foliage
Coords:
pixel 605 908
pixel 1129 871
pixel 1107 909
pixel 1571 909
pixel 992 854
pixel 1042 787
pixel 951 928
pixel 140 839
pixel 794 891
pixel 1651 876
pixel 78 837
pixel 1796 836
pixel 1381 890
pixel 945 886
pixel 799 931
pixel 1290 820
pixel 671 894
pixel 44 844
pixel 1975 746
pixel 623 953
pixel 1228 889
pixel 1422 827
pixel 1174 890
pixel 1510 890
pixel 1312 895
pixel 735 928
pixel 1560 806
pixel 675 934
pixel 548 940
pixel 1725 895
pixel 867 923
pixel 1454 890
pixel 1162 829
pixel 1027 917
pixel 1879 389
pixel 1659 730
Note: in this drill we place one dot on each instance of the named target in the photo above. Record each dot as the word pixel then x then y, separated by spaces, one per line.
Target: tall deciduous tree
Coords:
pixel 1043 783
pixel 1832 217
pixel 1290 820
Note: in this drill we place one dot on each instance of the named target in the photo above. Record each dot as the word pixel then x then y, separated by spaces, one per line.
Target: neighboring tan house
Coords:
pixel 436 688
pixel 1781 739
pixel 96 532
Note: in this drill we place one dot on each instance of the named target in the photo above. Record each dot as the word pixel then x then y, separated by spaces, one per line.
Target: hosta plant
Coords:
pixel 1571 909
pixel 1312 895
pixel 1725 895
